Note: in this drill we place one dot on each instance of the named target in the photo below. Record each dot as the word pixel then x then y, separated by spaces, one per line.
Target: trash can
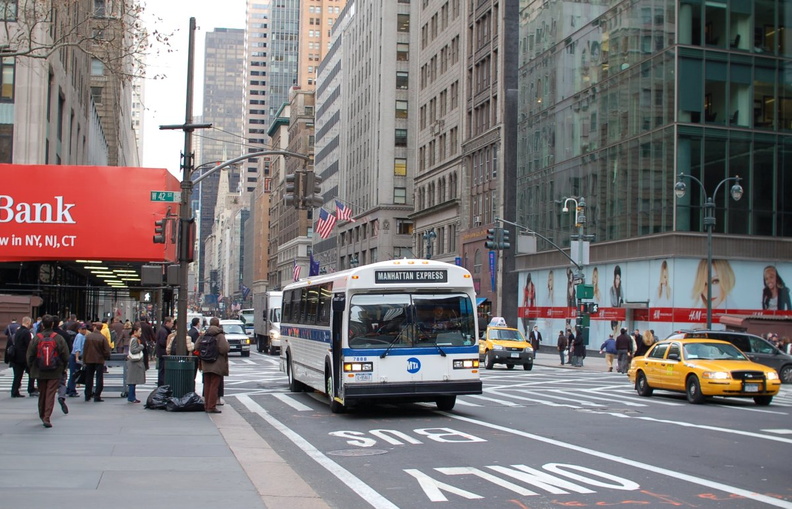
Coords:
pixel 180 374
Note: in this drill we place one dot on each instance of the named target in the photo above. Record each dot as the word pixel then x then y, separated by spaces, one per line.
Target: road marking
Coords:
pixel 499 401
pixel 363 490
pixel 289 400
pixel 750 495
pixel 779 431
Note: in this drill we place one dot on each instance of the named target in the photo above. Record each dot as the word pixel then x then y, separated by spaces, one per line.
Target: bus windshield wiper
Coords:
pixel 442 353
pixel 398 337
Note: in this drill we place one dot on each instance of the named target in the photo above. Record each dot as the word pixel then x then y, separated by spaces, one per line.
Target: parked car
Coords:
pixel 237 337
pixel 755 348
pixel 702 368
pixel 504 345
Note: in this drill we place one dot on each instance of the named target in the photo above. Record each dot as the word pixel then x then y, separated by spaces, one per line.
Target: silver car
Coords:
pixel 239 341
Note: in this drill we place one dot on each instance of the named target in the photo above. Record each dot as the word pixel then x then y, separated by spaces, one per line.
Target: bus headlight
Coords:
pixel 358 367
pixel 466 364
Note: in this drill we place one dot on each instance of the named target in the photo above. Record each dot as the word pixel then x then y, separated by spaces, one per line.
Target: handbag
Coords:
pixel 134 357
pixel 79 376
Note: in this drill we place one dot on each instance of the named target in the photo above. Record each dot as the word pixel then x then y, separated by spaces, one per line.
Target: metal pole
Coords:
pixel 710 209
pixel 180 341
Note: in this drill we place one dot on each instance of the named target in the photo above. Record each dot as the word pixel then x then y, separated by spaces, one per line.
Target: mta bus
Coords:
pixel 396 331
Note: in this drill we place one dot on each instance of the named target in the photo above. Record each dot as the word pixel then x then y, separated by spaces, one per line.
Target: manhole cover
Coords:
pixel 357 452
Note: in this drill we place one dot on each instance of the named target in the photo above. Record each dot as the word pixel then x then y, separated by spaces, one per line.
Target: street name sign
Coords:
pixel 168 196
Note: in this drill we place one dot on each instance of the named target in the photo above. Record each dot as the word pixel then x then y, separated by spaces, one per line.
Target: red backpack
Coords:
pixel 47 352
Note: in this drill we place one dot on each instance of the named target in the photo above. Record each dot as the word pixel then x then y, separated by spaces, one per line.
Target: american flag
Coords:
pixel 343 213
pixel 296 271
pixel 325 223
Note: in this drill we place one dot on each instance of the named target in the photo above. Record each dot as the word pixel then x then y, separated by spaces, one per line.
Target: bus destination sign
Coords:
pixel 410 276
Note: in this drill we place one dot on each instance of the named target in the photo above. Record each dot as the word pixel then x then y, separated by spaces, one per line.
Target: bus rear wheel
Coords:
pixel 294 384
pixel 446 403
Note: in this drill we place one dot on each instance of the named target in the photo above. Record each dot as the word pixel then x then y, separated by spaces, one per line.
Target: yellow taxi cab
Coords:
pixel 703 368
pixel 500 344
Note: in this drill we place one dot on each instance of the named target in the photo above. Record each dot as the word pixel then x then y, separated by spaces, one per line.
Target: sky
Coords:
pixel 165 99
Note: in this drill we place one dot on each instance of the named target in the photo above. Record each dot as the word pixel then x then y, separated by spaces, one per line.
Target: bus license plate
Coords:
pixel 751 388
pixel 362 377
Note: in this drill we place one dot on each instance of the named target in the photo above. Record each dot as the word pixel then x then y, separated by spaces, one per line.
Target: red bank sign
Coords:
pixel 83 212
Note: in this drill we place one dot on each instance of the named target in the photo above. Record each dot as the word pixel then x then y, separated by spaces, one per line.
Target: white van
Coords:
pixel 246 317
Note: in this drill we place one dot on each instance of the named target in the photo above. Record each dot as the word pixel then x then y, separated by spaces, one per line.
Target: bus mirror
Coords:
pixel 339 303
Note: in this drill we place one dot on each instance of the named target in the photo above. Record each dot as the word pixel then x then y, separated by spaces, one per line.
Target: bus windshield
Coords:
pixel 411 320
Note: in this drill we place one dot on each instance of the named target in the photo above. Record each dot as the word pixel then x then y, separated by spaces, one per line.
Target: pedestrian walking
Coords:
pixel 624 350
pixel 163 331
pixel 18 360
pixel 536 337
pixel 135 367
pixel 75 360
pixel 96 351
pixel 48 356
pixel 580 349
pixel 609 348
pixel 643 342
pixel 562 344
pixel 213 354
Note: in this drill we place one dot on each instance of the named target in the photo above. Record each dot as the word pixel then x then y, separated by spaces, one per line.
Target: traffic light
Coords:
pixel 593 308
pixel 159 231
pixel 504 240
pixel 291 195
pixel 491 242
pixel 312 192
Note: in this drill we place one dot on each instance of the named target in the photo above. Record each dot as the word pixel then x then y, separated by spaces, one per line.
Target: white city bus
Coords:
pixel 400 330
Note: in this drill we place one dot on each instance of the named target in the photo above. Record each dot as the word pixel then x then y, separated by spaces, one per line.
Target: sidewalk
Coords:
pixel 120 455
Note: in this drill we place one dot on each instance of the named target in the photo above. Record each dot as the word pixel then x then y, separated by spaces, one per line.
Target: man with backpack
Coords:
pixel 47 357
pixel 213 350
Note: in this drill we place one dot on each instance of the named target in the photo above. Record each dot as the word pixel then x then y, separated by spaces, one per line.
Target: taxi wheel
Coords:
pixel 762 400
pixel 510 366
pixel 693 390
pixel 528 367
pixel 489 360
pixel 642 385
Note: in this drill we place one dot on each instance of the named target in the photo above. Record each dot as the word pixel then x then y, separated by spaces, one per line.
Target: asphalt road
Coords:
pixel 546 438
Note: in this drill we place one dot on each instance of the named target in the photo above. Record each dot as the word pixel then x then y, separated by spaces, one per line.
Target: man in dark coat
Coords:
pixel 562 344
pixel 96 351
pixel 163 331
pixel 48 379
pixel 623 351
pixel 535 337
pixel 18 362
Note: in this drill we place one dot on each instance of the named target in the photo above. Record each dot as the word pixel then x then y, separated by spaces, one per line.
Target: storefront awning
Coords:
pixel 480 301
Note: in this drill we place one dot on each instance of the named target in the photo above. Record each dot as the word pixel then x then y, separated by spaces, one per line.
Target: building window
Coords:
pixel 402 80
pixel 399 195
pixel 402 52
pixel 404 227
pixel 96 94
pixel 97 67
pixel 7 85
pixel 8 10
pixel 403 23
pixel 401 138
pixel 401 109
pixel 400 166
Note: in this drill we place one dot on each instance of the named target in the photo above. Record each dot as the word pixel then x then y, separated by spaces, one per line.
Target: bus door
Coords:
pixel 339 303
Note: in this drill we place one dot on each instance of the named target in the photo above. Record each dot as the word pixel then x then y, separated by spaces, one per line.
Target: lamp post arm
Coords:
pixel 525 228
pixel 700 183
pixel 249 155
pixel 727 179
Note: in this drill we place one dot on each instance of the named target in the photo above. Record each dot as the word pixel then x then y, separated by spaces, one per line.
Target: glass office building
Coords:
pixel 618 98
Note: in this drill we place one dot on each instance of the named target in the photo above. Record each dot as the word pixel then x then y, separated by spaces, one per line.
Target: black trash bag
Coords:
pixel 190 402
pixel 159 397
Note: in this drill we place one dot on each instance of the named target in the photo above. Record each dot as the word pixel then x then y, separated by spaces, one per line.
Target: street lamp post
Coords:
pixel 580 220
pixel 429 236
pixel 709 222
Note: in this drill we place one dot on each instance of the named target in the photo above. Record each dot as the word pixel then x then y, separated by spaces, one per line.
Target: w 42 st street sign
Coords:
pixel 167 196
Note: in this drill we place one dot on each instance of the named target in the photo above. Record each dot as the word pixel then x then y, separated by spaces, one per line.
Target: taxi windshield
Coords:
pixel 506 334
pixel 713 351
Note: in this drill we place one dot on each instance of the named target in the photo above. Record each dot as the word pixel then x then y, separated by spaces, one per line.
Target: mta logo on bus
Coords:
pixel 413 365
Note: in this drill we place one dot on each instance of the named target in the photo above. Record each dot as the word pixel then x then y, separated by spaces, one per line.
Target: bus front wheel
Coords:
pixel 335 406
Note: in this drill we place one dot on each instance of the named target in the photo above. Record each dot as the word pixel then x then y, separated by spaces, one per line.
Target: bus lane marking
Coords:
pixel 637 464
pixel 290 401
pixel 350 480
